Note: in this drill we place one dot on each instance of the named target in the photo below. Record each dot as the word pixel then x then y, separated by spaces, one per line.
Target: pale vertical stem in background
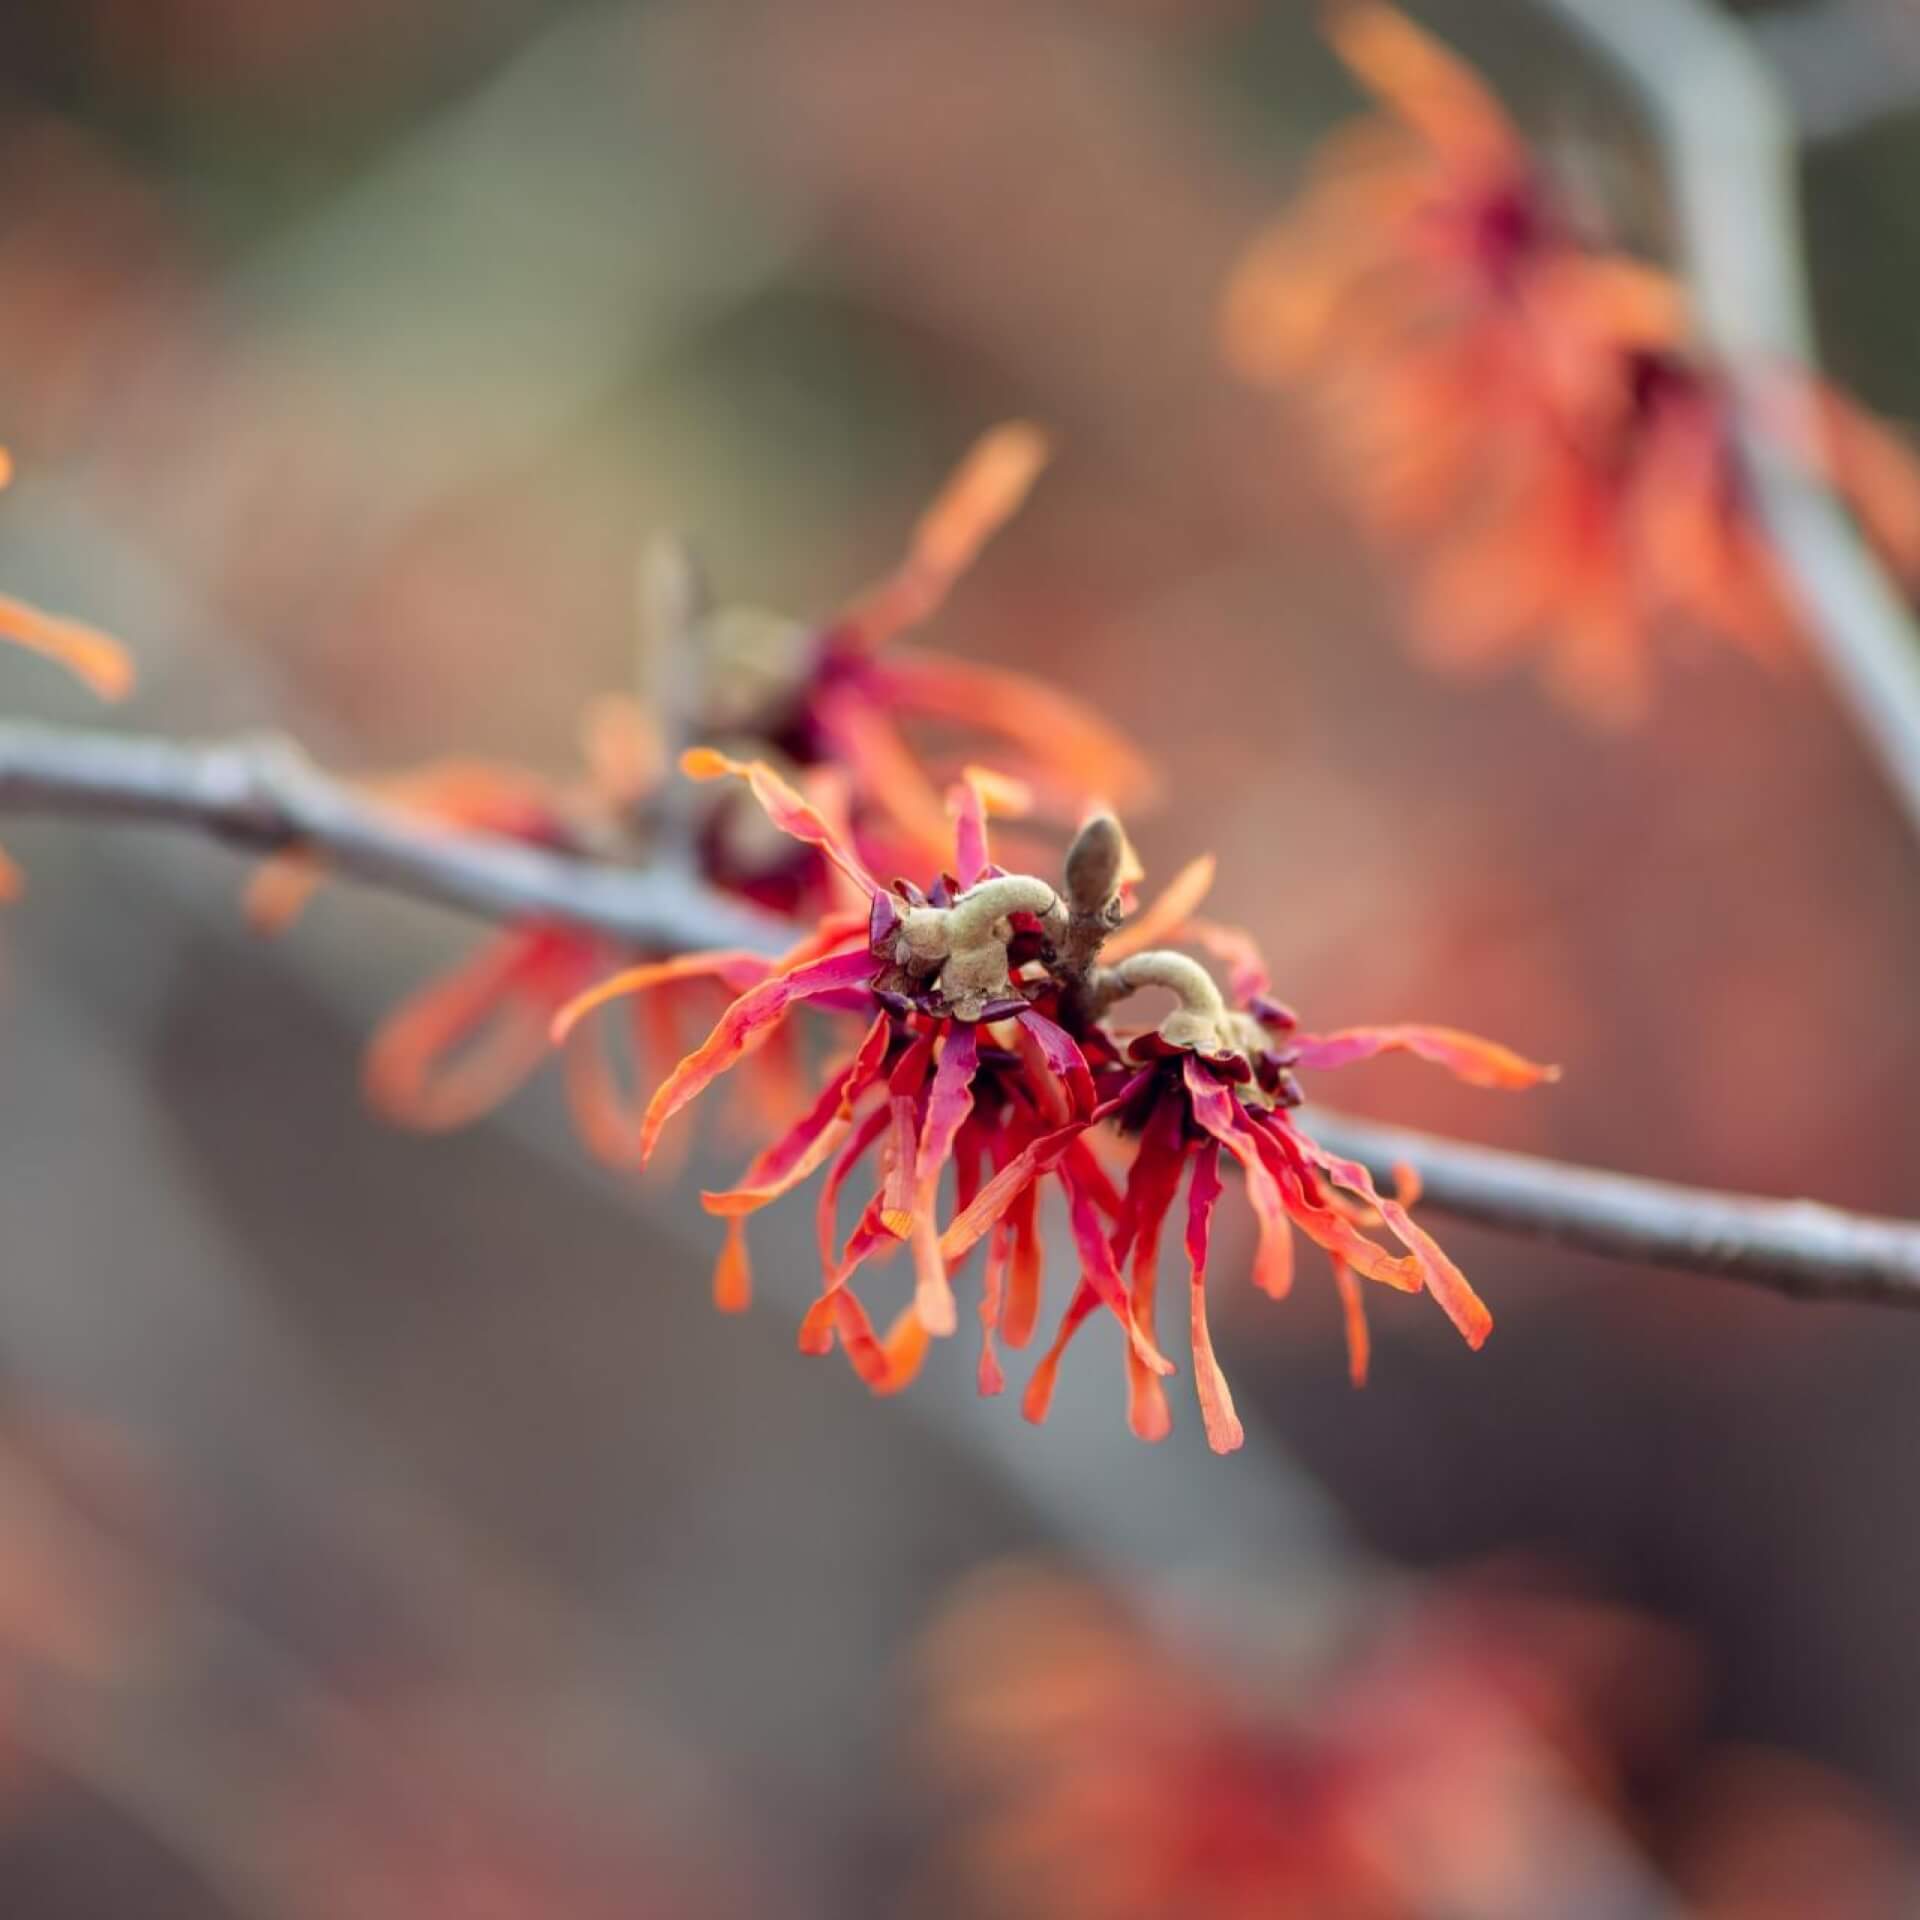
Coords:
pixel 1730 147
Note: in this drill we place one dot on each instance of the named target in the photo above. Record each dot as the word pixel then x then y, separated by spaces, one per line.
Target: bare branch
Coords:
pixel 1795 1247
pixel 262 795
pixel 1730 147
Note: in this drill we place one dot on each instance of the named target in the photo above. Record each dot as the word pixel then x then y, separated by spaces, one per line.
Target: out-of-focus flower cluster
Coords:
pixel 1482 1749
pixel 1529 412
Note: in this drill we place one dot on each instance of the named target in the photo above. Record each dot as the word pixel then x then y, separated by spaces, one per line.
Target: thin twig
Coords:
pixel 264 795
pixel 1795 1247
pixel 1731 152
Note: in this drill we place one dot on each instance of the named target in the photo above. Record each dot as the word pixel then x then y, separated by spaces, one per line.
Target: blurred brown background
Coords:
pixel 394 1528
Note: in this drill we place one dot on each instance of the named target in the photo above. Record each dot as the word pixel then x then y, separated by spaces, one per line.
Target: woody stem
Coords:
pixel 264 795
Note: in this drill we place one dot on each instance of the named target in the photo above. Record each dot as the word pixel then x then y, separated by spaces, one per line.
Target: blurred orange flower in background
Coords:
pixel 1527 411
pixel 1477 1747
pixel 456 1049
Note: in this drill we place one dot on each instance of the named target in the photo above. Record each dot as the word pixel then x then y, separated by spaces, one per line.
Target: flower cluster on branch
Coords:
pixel 986 1065
pixel 1524 407
pixel 988 1044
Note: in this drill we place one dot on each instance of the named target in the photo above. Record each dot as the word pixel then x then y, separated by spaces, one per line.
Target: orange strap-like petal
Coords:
pixel 733 967
pixel 279 889
pixel 1481 1063
pixel 743 1027
pixel 733 1271
pixel 1063 739
pixel 94 659
pixel 1218 1112
pixel 1027 1276
pixel 1444 1280
pixel 1162 921
pixel 783 806
pixel 1426 84
pixel 984 492
pixel 805 1147
pixel 1224 1431
pixel 621 744
pixel 606 1118
pixel 887 775
pixel 458 1047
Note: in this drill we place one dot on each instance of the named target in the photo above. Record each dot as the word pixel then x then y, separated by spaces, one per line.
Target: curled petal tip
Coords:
pixel 732 1274
pixel 706 763
pixel 937 1313
pixel 1151 1421
pixel 98 662
pixel 1001 795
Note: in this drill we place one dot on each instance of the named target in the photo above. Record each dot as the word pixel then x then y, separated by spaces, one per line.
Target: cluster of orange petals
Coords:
pixel 469 1039
pixel 1012 1091
pixel 976 1081
pixel 1531 414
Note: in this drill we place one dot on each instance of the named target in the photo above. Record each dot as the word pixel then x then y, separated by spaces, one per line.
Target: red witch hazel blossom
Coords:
pixel 985 1045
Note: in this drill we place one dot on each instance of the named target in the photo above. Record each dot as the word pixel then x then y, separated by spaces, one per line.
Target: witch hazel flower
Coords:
pixel 983 1041
pixel 1219 1080
pixel 960 1063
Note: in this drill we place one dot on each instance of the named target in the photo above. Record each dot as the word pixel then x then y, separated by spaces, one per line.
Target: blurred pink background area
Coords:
pixel 388 1527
